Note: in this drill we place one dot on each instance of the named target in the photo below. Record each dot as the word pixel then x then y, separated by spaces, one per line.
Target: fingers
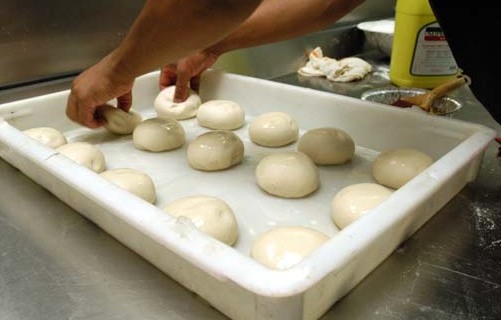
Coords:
pixel 95 87
pixel 72 108
pixel 168 77
pixel 195 83
pixel 88 117
pixel 124 101
pixel 99 113
pixel 81 113
pixel 89 114
pixel 182 76
pixel 185 74
pixel 182 87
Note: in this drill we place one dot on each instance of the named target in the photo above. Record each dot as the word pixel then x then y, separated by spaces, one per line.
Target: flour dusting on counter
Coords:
pixel 343 70
pixel 485 225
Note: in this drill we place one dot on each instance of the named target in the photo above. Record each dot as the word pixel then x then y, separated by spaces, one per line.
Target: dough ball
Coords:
pixel 132 180
pixel 48 136
pixel 283 247
pixel 209 214
pixel 355 200
pixel 215 150
pixel 287 174
pixel 158 134
pixel 327 146
pixel 220 114
pixel 394 168
pixel 273 129
pixel 166 107
pixel 85 154
pixel 119 121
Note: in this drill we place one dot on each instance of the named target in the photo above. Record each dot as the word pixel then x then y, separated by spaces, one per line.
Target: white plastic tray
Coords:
pixel 226 276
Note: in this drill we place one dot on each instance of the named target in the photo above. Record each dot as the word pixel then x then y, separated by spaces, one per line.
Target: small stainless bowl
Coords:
pixel 379 34
pixel 388 95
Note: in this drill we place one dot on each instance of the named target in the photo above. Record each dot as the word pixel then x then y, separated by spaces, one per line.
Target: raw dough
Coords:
pixel 119 121
pixel 48 136
pixel 394 168
pixel 221 114
pixel 283 247
pixel 287 174
pixel 132 180
pixel 327 146
pixel 85 154
pixel 209 214
pixel 166 107
pixel 355 200
pixel 215 150
pixel 273 129
pixel 158 134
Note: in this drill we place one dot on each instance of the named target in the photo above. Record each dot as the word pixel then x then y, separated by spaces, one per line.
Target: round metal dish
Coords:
pixel 379 34
pixel 388 95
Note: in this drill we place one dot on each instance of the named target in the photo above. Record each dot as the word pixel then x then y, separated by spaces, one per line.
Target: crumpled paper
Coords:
pixel 343 70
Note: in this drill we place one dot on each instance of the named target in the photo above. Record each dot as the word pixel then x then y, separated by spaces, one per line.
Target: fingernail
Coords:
pixel 178 98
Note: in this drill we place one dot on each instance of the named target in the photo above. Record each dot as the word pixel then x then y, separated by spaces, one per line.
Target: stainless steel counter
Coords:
pixel 55 264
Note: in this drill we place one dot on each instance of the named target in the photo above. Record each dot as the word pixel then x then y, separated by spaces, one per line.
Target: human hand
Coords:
pixel 95 87
pixel 185 74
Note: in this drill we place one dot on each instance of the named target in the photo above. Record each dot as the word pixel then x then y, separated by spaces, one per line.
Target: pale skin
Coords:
pixel 201 32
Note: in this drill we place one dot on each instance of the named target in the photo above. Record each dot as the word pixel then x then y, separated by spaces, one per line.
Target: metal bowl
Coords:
pixel 388 95
pixel 379 34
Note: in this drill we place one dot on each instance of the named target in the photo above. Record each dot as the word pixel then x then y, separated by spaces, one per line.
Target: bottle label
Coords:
pixel 432 55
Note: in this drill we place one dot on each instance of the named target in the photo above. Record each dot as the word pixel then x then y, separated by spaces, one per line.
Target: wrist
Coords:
pixel 119 71
pixel 216 50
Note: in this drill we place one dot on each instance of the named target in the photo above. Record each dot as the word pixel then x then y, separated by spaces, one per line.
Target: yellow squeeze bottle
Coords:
pixel 420 55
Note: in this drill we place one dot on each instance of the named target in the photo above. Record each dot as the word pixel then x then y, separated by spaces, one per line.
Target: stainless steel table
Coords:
pixel 55 264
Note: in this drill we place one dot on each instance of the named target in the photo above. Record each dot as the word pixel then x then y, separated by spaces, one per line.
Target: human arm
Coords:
pixel 164 31
pixel 273 20
pixel 277 20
